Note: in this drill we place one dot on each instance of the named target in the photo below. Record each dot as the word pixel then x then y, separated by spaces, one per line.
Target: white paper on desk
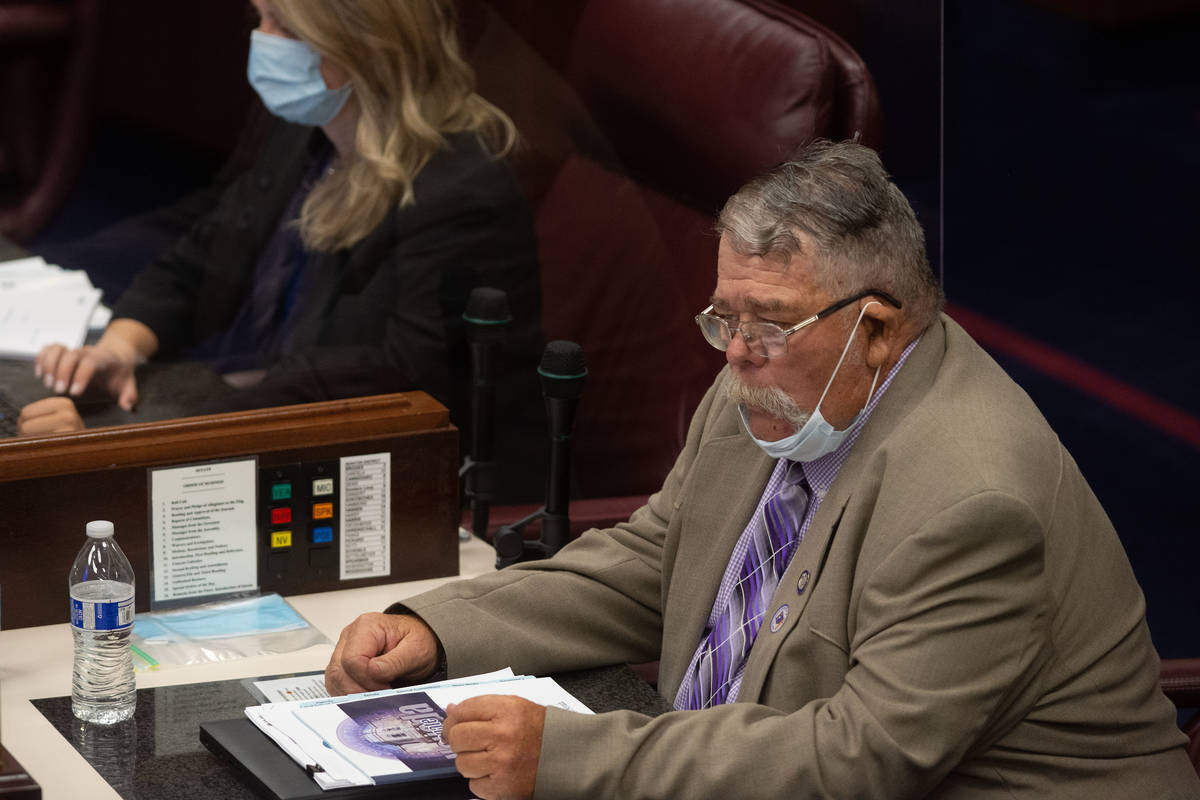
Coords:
pixel 383 737
pixel 46 277
pixel 22 267
pixel 293 689
pixel 33 317
pixel 24 284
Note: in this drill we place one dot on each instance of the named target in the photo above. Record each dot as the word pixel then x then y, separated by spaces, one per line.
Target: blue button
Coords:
pixel 322 535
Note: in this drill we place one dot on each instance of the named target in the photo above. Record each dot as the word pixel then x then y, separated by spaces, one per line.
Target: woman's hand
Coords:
pixel 109 363
pixel 49 415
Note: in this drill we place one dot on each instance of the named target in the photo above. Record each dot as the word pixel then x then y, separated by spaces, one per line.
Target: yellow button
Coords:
pixel 322 510
pixel 281 539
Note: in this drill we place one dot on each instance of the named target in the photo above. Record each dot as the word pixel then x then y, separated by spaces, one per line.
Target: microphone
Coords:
pixel 487 317
pixel 562 372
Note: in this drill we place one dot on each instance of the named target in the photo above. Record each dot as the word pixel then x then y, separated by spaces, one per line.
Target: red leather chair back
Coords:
pixel 640 118
pixel 1180 679
pixel 698 96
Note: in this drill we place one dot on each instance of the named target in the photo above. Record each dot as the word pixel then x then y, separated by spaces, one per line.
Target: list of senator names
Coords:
pixel 366 516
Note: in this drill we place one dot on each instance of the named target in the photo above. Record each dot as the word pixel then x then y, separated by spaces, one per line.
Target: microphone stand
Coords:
pixel 562 372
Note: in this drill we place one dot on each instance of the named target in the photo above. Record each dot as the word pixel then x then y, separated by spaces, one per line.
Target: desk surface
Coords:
pixel 36 662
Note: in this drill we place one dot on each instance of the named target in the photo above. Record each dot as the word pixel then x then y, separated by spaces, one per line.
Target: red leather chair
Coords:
pixel 639 118
pixel 47 61
pixel 1181 683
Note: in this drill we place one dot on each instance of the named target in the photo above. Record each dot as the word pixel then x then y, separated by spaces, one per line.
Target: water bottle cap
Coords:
pixel 100 529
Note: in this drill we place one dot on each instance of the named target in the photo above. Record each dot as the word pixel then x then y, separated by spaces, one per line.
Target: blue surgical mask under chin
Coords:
pixel 816 437
pixel 286 73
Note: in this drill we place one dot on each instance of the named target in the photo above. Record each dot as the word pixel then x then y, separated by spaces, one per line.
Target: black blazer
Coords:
pixel 382 316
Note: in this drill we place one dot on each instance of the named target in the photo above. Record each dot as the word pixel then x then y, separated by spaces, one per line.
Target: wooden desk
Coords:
pixel 36 662
pixel 57 482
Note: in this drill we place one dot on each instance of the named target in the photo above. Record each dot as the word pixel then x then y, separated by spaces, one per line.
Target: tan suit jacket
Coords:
pixel 963 621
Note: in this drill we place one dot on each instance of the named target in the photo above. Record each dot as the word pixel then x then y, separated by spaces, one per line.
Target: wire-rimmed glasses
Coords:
pixel 766 339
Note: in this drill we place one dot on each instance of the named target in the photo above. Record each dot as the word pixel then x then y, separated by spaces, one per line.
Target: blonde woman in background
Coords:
pixel 341 263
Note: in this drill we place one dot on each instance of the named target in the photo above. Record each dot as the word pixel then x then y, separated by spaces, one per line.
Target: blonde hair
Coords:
pixel 412 86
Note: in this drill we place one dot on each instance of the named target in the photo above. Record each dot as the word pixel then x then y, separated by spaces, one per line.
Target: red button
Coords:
pixel 281 516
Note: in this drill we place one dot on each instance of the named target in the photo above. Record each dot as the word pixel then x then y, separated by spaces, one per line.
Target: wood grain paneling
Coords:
pixel 51 486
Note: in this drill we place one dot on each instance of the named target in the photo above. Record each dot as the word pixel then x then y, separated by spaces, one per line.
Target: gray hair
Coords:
pixel 837 196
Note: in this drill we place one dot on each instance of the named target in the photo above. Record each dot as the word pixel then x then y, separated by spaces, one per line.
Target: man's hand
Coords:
pixel 49 415
pixel 498 740
pixel 377 649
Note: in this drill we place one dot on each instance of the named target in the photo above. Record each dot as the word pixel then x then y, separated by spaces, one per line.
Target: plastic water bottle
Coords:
pixel 103 689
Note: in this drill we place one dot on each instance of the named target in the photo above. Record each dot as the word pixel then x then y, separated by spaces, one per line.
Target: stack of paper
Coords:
pixel 391 735
pixel 42 304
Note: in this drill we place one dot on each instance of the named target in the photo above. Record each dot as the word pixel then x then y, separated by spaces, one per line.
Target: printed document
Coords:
pixel 391 735
pixel 42 304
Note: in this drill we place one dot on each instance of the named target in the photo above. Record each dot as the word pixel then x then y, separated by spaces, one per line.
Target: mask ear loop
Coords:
pixel 845 350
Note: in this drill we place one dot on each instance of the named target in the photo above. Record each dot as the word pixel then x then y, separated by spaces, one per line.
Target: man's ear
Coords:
pixel 884 333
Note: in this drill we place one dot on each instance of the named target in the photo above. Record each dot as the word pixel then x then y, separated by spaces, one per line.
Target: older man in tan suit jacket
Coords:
pixel 944 610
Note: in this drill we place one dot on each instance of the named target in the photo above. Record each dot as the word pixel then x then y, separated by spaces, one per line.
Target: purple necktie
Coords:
pixel 727 643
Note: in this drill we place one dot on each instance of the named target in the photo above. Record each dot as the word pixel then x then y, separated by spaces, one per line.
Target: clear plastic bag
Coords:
pixel 221 631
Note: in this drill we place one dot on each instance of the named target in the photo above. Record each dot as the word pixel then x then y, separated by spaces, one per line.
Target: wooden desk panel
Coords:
pixel 51 486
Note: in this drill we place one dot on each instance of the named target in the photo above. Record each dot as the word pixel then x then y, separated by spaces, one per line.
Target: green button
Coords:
pixel 281 491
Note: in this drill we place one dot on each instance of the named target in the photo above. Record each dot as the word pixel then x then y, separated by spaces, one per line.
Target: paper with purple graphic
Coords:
pixel 391 735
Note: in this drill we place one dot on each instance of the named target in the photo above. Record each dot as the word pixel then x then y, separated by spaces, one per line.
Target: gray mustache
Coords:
pixel 769 399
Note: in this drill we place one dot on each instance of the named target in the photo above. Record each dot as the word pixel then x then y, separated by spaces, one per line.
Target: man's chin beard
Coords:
pixel 769 400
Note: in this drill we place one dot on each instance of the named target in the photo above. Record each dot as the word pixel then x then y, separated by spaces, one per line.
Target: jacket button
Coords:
pixel 264 181
pixel 245 220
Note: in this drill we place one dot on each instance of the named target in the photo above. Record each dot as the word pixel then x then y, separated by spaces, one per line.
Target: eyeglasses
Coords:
pixel 766 339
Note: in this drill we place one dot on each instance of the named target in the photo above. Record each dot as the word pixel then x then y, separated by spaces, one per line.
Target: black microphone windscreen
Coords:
pixel 562 370
pixel 562 360
pixel 487 306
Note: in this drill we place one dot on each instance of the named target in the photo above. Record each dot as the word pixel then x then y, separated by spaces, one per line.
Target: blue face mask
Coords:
pixel 816 437
pixel 286 73
pixel 268 613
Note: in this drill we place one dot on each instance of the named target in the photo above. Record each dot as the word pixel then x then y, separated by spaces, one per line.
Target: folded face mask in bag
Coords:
pixel 224 630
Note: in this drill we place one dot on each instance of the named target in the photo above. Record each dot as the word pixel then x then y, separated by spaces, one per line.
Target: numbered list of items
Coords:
pixel 366 549
pixel 203 520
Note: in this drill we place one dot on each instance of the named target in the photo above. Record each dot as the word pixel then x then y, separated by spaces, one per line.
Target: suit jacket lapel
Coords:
pixel 710 522
pixel 251 212
pixel 801 578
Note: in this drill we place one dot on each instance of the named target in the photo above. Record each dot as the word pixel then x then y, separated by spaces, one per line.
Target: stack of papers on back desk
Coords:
pixel 388 736
pixel 42 304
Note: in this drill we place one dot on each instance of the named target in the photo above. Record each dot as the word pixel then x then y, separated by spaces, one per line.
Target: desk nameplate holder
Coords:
pixel 53 485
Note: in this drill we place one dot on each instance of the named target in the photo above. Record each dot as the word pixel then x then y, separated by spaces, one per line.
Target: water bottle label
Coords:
pixel 101 616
